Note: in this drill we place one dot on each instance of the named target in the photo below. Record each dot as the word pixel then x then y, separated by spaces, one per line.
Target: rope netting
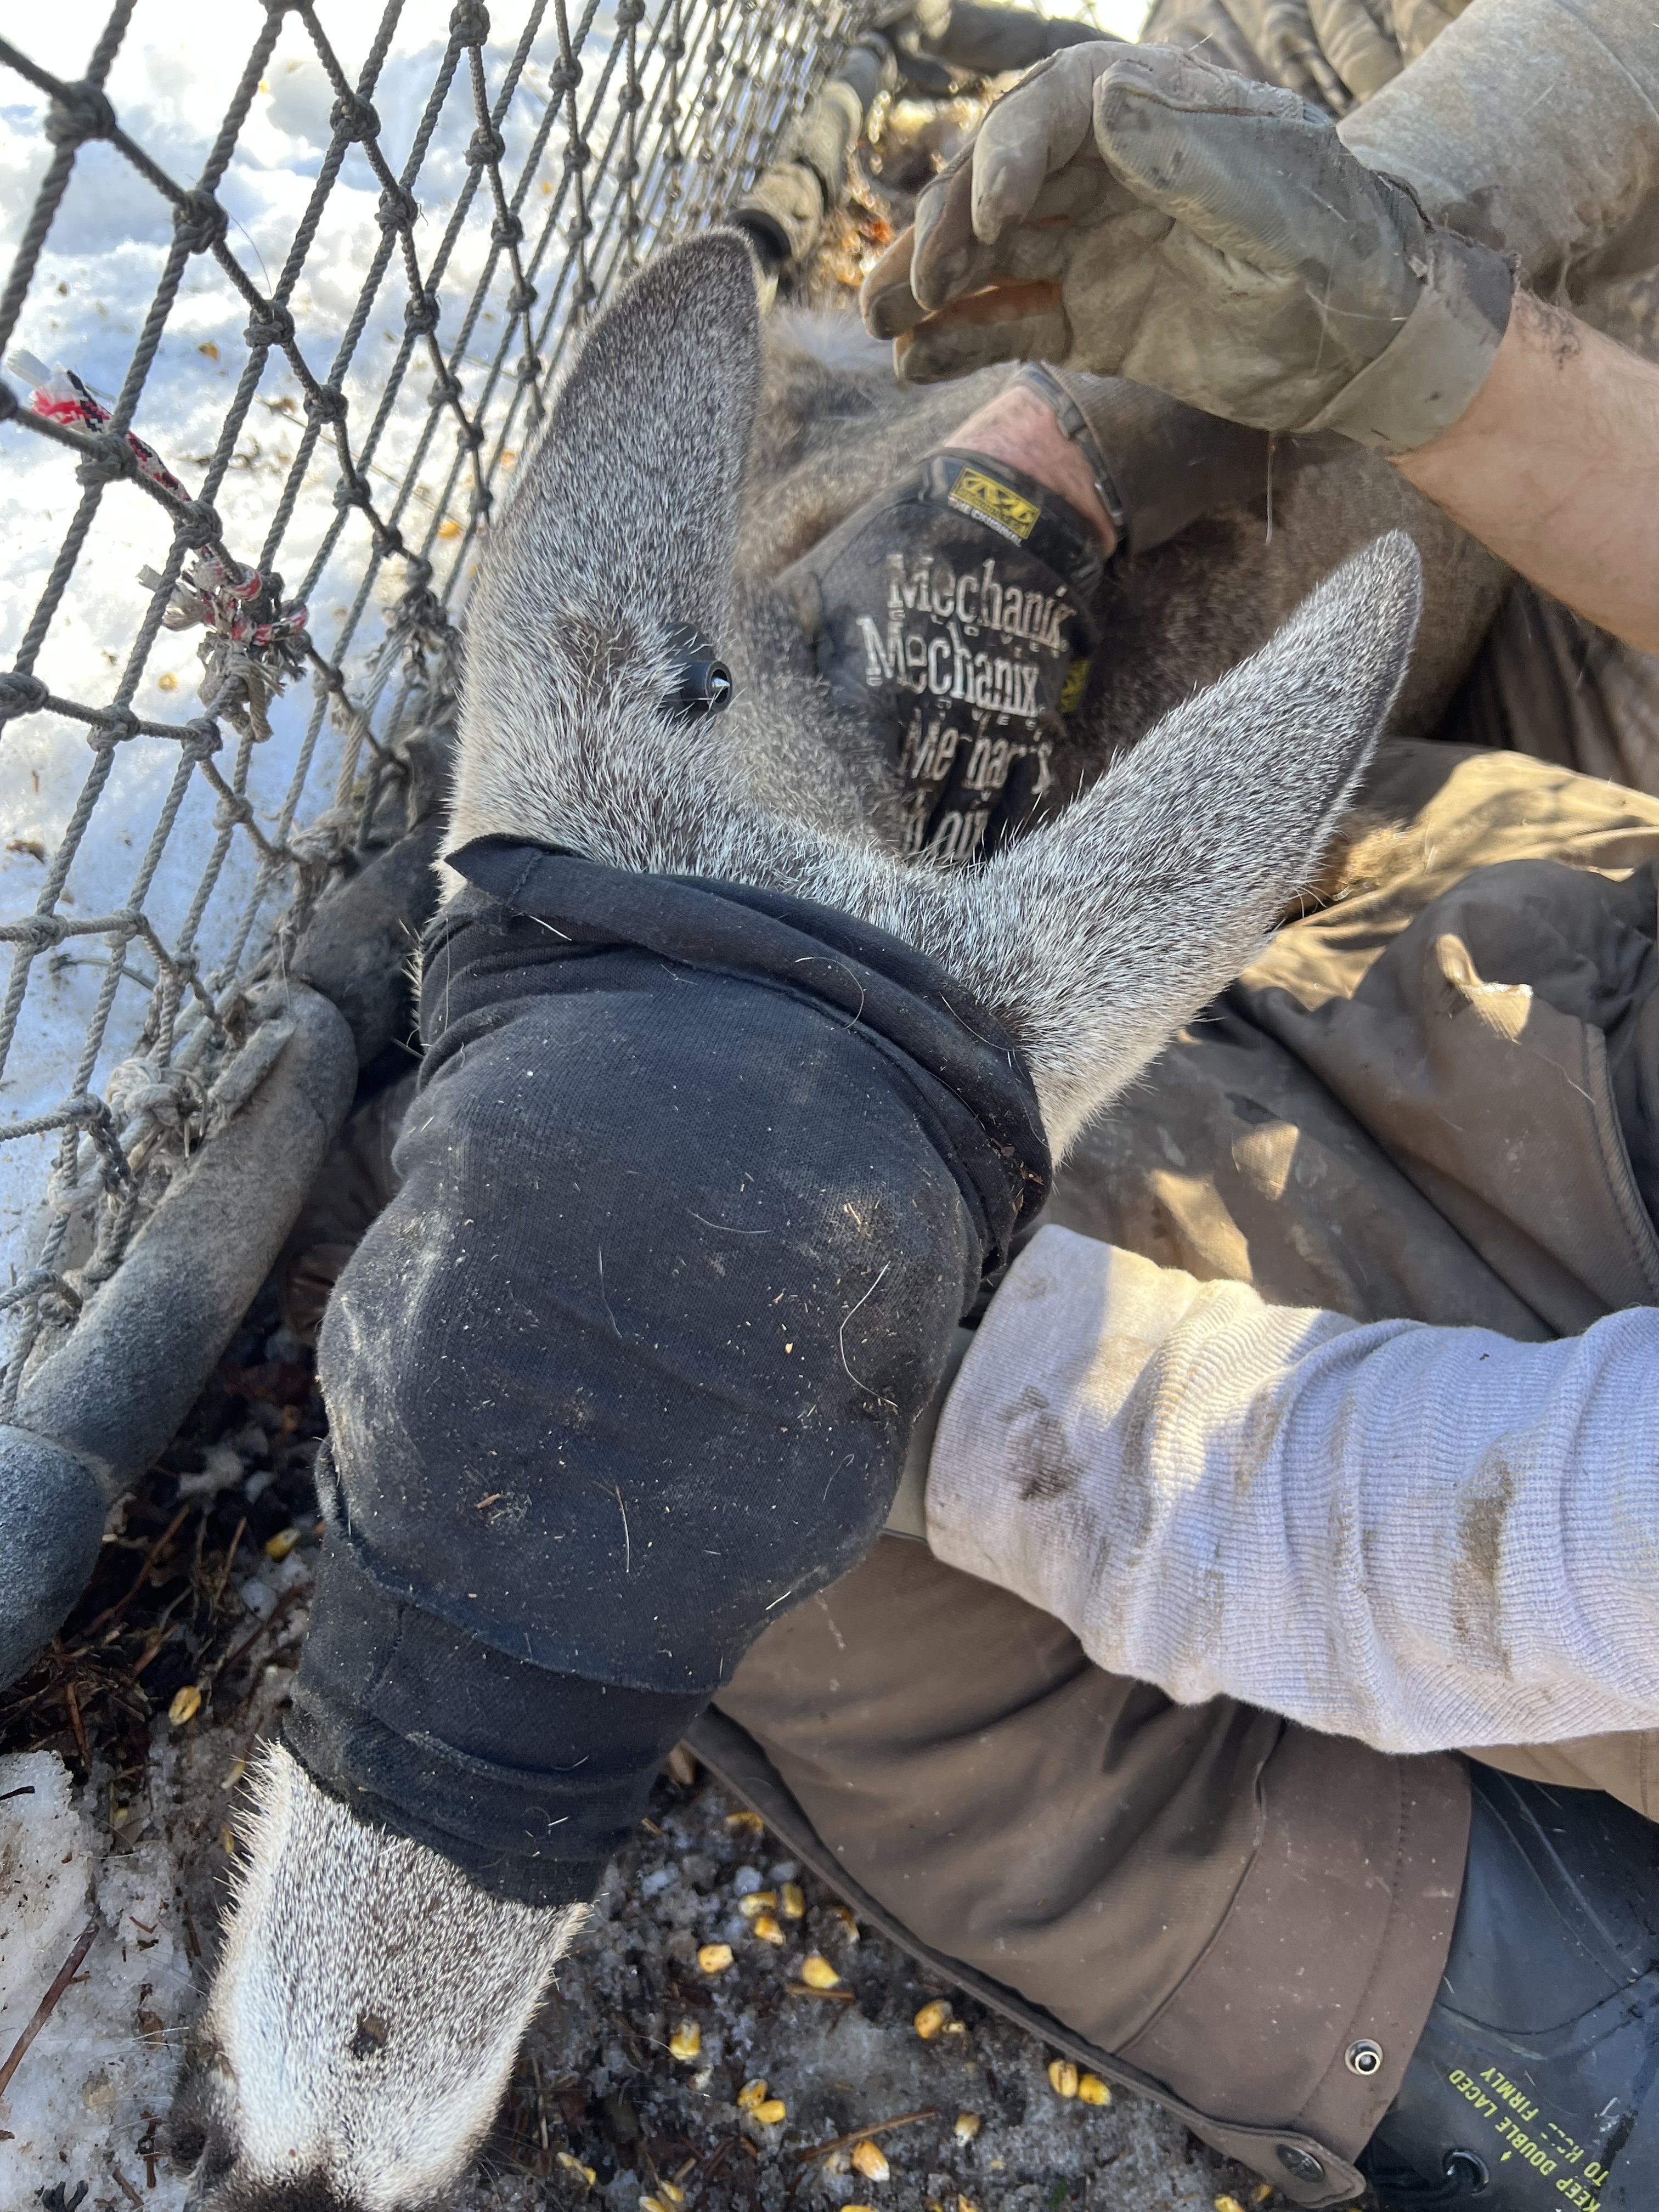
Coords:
pixel 284 310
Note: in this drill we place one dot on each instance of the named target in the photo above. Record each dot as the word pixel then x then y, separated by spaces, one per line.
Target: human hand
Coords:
pixel 1137 211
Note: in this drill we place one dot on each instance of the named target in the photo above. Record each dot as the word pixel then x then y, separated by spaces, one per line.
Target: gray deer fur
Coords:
pixel 366 2009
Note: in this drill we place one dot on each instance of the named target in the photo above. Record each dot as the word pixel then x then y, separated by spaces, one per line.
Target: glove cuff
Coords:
pixel 1429 372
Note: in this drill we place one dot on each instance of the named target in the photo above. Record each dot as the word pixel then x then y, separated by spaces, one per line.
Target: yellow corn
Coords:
pixel 1063 2077
pixel 848 1920
pixel 795 1901
pixel 746 1824
pixel 574 2165
pixel 760 1900
pixel 186 1703
pixel 1091 2090
pixel 1228 2204
pixel 967 2126
pixel 686 2041
pixel 671 2192
pixel 714 1958
pixel 966 2204
pixel 652 2205
pixel 766 1928
pixel 751 2095
pixel 279 1545
pixel 771 2112
pixel 870 2161
pixel 931 2020
pixel 817 1973
pixel 858 2207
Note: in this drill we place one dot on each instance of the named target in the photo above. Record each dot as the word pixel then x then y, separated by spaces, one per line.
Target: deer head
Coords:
pixel 364 2017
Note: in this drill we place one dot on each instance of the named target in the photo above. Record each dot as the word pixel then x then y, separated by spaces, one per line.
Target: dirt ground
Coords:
pixel 153 1697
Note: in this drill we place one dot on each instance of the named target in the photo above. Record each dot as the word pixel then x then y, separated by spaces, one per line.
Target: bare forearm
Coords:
pixel 1554 465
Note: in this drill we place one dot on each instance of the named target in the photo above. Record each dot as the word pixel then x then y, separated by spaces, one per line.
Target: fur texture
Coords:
pixel 364 2015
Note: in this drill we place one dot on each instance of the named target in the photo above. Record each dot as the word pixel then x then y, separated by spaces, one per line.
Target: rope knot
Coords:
pixel 199 222
pixel 420 313
pixel 398 208
pixel 469 25
pixel 21 693
pixel 486 144
pixel 353 119
pixel 270 325
pixel 107 458
pixel 80 111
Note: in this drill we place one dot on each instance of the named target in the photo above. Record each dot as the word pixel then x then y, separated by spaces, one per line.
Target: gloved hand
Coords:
pixel 1139 212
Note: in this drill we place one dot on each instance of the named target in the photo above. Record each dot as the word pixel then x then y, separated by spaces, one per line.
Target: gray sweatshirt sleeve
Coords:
pixel 1422 1537
pixel 1533 125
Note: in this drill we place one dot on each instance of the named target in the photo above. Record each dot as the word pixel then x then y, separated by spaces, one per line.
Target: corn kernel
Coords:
pixel 967 2126
pixel 1063 2077
pixel 584 2173
pixel 817 1973
pixel 767 1929
pixel 1228 2204
pixel 449 527
pixel 771 2112
pixel 795 1901
pixel 1091 2090
pixel 858 2207
pixel 757 1901
pixel 652 2205
pixel 714 1958
pixel 871 2161
pixel 279 1545
pixel 671 2193
pixel 186 1703
pixel 966 2204
pixel 931 2020
pixel 751 2093
pixel 848 1920
pixel 686 2041
pixel 746 1824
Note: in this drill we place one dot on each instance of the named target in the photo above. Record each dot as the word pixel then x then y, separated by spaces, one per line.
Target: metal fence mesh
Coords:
pixel 457 201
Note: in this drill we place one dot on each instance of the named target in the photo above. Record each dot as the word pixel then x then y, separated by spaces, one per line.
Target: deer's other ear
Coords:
pixel 628 510
pixel 1107 930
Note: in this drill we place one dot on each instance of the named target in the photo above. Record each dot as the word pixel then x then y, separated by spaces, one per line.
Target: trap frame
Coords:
pixel 196 1038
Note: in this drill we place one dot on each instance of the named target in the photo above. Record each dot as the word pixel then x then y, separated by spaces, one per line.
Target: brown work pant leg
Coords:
pixel 1225 1901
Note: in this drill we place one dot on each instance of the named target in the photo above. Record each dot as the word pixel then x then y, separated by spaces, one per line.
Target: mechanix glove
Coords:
pixel 1142 213
pixel 954 617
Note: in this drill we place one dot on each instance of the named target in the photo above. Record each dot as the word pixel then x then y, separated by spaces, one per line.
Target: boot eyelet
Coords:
pixel 1364 2058
pixel 1465 2167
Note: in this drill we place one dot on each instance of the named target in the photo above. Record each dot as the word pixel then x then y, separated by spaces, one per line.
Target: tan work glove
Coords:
pixel 1139 212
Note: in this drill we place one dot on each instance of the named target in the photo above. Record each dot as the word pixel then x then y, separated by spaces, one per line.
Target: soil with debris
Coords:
pixel 121 1757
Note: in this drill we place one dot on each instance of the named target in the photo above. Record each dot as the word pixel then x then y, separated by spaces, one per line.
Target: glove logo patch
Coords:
pixel 975 493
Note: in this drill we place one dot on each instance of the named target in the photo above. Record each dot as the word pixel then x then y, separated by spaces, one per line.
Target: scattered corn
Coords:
pixel 449 527
pixel 653 2204
pixel 757 1902
pixel 967 2126
pixel 817 1973
pixel 686 2041
pixel 931 2020
pixel 671 2192
pixel 1091 2090
pixel 793 1900
pixel 848 1920
pixel 771 2112
pixel 1063 2077
pixel 746 1824
pixel 751 2095
pixel 966 2204
pixel 871 2161
pixel 186 1703
pixel 858 2207
pixel 167 681
pixel 766 1928
pixel 574 2165
pixel 714 1958
pixel 279 1545
pixel 1228 2204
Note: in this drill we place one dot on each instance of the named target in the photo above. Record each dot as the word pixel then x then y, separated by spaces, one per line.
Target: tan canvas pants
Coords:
pixel 1339 1131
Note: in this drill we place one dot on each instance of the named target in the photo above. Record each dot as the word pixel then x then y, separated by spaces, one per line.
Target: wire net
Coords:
pixel 284 310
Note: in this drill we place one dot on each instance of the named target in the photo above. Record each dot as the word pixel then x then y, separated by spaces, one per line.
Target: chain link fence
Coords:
pixel 265 375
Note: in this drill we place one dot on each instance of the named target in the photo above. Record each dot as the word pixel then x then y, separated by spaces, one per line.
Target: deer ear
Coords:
pixel 629 507
pixel 1098 936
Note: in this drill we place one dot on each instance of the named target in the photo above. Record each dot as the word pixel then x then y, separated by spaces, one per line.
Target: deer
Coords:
pixel 370 1995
